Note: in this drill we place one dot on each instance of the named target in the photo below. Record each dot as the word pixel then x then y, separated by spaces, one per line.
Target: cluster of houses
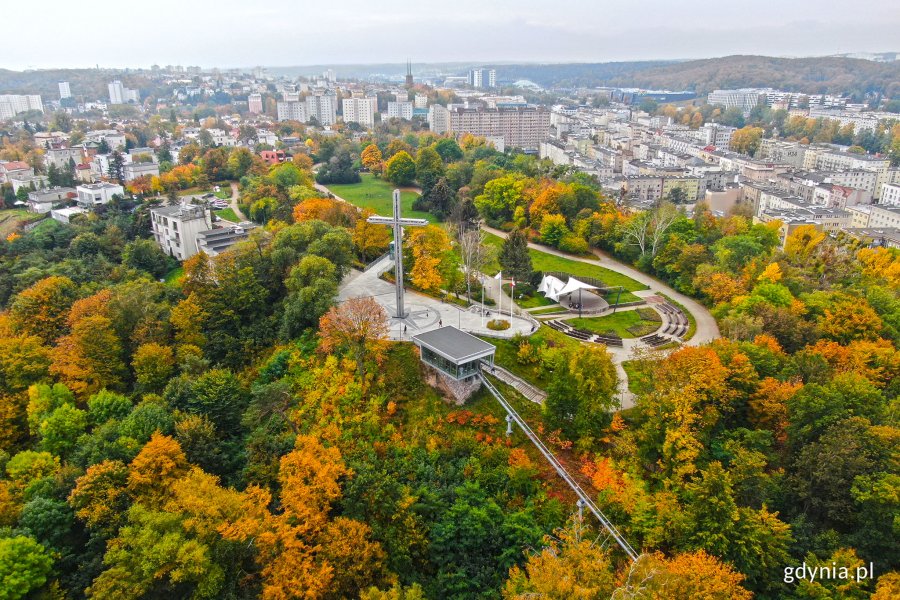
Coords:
pixel 641 159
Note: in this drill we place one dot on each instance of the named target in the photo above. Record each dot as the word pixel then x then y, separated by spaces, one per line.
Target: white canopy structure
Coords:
pixel 550 286
pixel 553 287
pixel 573 285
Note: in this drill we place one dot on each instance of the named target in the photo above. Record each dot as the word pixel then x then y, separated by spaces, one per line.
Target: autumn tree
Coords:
pixel 570 565
pixel 400 169
pixel 686 575
pixel 371 159
pixel 428 246
pixel 370 239
pixel 802 242
pixel 359 325
pixel 41 310
pixel 153 365
pixel 90 357
pixel 746 140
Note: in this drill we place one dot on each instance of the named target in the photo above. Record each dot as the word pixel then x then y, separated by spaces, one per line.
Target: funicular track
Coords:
pixel 585 499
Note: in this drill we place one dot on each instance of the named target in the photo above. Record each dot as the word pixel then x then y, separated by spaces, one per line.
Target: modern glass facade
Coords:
pixel 448 367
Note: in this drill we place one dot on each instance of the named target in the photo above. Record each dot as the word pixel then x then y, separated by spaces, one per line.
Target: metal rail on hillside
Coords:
pixel 561 471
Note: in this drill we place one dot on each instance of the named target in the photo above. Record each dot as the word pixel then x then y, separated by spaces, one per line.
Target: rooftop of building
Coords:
pixel 454 345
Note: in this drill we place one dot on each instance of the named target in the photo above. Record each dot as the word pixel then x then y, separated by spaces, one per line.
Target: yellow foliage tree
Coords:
pixel 571 566
pixel 802 242
pixel 371 159
pixel 428 245
pixel 370 239
pixel 89 359
pixel 771 274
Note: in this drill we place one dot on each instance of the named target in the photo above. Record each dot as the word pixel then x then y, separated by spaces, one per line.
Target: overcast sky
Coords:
pixel 243 33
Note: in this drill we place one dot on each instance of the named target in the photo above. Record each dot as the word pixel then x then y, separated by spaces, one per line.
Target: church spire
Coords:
pixel 409 77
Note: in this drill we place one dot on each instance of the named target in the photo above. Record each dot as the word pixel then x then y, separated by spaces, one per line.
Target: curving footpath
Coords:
pixel 707 329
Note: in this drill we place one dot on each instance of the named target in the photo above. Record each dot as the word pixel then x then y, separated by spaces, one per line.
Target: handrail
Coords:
pixel 560 470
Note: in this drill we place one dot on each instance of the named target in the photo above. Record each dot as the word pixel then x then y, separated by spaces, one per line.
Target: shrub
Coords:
pixel 498 324
pixel 573 244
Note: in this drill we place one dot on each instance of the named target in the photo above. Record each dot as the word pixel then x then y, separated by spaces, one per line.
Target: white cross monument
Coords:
pixel 398 222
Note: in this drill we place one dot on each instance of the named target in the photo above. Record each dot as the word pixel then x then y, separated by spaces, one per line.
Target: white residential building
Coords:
pixel 519 126
pixel 64 90
pixel 421 101
pixel 400 110
pixel 438 118
pixel 43 201
pixel 492 78
pixel 119 94
pixel 254 103
pixel 176 228
pixel 116 92
pixel 12 104
pixel 884 216
pixel 292 110
pixel 95 194
pixel 323 107
pixel 133 170
pixel 745 99
pixel 114 139
pixel 360 110
pixel 890 194
pixel 61 157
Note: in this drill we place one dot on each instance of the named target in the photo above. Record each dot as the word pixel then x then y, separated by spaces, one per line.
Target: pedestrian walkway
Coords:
pixel 425 313
pixel 533 393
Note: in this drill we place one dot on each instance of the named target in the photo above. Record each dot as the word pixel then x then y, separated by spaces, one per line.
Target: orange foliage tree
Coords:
pixel 359 325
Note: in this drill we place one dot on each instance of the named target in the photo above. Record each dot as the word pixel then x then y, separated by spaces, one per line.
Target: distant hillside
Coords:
pixel 90 83
pixel 809 75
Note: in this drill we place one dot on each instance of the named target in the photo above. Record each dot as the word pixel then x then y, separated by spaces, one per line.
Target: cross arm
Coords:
pixel 391 221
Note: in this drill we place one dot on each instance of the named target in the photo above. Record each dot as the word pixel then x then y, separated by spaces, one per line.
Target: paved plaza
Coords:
pixel 424 312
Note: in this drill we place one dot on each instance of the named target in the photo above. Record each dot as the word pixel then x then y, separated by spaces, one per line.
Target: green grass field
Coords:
pixel 173 276
pixel 529 301
pixel 541 261
pixel 618 323
pixel 375 194
pixel 228 214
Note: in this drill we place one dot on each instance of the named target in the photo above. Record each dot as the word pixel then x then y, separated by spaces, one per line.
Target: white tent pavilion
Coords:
pixel 573 285
pixel 550 286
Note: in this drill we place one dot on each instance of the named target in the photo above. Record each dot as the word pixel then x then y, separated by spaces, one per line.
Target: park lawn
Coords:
pixel 508 349
pixel 529 301
pixel 172 277
pixel 638 380
pixel 375 194
pixel 228 214
pixel 617 323
pixel 541 261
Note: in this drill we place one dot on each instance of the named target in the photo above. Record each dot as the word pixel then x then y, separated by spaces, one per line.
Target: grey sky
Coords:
pixel 298 32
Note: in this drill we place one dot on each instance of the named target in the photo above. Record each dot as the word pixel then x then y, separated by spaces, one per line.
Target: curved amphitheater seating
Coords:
pixel 583 334
pixel 678 321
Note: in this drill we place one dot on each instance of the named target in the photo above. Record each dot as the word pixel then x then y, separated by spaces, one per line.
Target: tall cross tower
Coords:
pixel 397 222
